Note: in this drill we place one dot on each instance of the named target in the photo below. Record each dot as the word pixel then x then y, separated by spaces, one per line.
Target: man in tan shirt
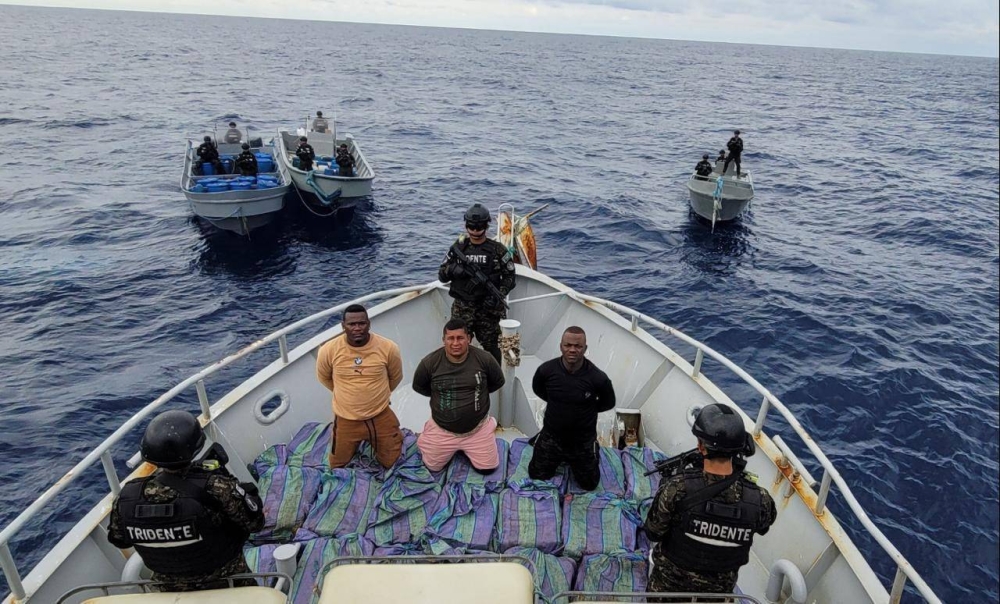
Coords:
pixel 361 369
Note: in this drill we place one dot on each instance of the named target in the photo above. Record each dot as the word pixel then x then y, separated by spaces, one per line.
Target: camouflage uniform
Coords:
pixel 667 576
pixel 230 494
pixel 473 303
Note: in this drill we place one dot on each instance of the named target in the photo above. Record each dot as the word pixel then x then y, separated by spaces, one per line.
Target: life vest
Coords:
pixel 180 537
pixel 713 536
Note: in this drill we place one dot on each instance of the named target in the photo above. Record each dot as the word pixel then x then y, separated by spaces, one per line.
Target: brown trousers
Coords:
pixel 381 431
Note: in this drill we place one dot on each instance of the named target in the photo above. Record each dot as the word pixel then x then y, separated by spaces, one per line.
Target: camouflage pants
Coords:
pixel 214 580
pixel 484 324
pixel 582 460
pixel 668 577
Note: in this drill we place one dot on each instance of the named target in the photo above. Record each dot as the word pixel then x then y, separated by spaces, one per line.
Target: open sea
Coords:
pixel 862 288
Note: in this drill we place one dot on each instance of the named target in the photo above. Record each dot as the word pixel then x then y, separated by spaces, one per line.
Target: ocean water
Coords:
pixel 862 288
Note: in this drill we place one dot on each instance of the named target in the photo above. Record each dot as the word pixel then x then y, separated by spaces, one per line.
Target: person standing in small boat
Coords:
pixel 320 123
pixel 208 154
pixel 345 161
pixel 458 379
pixel 487 262
pixel 233 135
pixel 574 391
pixel 703 519
pixel 704 167
pixel 306 154
pixel 361 369
pixel 735 146
pixel 188 520
pixel 246 162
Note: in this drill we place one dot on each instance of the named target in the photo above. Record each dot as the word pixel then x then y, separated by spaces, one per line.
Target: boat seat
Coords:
pixel 480 582
pixel 235 595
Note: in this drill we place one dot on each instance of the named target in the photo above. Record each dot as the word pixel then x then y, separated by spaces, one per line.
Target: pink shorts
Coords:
pixel 438 446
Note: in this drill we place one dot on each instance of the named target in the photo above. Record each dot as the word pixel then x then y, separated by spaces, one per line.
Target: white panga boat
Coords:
pixel 232 202
pixel 720 197
pixel 333 192
pixel 807 556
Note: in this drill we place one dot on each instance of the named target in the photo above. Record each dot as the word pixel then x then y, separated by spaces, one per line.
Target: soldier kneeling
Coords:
pixel 187 520
pixel 703 519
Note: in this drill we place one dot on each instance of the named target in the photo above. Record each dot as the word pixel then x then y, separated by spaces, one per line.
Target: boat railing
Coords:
pixel 103 451
pixel 904 570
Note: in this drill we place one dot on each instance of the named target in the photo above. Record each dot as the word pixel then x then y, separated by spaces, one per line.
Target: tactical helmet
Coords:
pixel 736 132
pixel 246 147
pixel 477 214
pixel 319 114
pixel 721 430
pixel 704 156
pixel 172 440
pixel 303 139
pixel 232 124
pixel 208 139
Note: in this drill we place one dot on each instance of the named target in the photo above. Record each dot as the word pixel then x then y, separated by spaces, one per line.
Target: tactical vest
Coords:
pixel 713 536
pixel 180 537
pixel 466 288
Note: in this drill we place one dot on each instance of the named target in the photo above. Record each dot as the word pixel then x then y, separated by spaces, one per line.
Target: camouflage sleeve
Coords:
pixel 768 513
pixel 117 535
pixel 505 268
pixel 661 513
pixel 239 501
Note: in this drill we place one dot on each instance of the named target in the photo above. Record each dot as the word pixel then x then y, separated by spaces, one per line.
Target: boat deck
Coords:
pixel 363 510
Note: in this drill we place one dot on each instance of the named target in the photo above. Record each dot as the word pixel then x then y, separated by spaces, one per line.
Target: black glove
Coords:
pixel 457 271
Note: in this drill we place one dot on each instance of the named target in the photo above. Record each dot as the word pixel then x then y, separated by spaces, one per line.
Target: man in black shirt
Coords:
pixel 306 154
pixel 575 391
pixel 208 154
pixel 735 146
pixel 704 167
pixel 459 380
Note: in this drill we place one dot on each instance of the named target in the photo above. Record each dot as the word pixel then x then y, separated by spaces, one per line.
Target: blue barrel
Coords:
pixel 265 164
pixel 332 171
pixel 217 187
pixel 227 164
pixel 239 186
pixel 207 168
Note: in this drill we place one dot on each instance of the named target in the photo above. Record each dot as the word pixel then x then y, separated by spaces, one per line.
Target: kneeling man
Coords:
pixel 459 380
pixel 575 391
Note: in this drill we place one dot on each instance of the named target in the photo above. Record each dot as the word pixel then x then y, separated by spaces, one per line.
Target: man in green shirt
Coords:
pixel 458 379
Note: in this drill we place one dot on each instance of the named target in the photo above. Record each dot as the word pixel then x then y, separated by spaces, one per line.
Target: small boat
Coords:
pixel 333 191
pixel 515 232
pixel 808 549
pixel 230 201
pixel 720 197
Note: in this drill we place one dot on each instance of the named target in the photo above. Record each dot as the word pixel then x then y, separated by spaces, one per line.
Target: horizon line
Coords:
pixel 519 31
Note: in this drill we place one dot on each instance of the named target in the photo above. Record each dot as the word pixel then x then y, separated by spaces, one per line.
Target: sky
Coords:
pixel 954 27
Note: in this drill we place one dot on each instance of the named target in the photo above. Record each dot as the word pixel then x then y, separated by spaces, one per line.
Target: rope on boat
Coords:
pixel 308 207
pixel 510 349
pixel 716 201
pixel 326 199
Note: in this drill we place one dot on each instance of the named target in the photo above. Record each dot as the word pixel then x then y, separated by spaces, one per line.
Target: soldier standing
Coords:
pixel 187 520
pixel 703 519
pixel 306 154
pixel 486 263
pixel 246 162
pixel 735 146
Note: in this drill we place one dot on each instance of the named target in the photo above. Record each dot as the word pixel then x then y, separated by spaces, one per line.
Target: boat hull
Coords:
pixel 237 211
pixel 327 191
pixel 736 197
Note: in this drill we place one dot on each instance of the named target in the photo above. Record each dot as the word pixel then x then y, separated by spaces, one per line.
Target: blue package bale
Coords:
pixel 344 505
pixel 598 523
pixel 530 518
pixel 612 474
pixel 552 574
pixel 612 572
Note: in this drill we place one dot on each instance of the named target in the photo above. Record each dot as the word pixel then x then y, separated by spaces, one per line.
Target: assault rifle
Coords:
pixel 477 275
pixel 673 465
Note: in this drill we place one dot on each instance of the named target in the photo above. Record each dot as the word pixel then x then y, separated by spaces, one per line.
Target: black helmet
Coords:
pixel 172 440
pixel 246 146
pixel 303 139
pixel 232 124
pixel 477 214
pixel 736 132
pixel 208 139
pixel 705 156
pixel 319 114
pixel 721 430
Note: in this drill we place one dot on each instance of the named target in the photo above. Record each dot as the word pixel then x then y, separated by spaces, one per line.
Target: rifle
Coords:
pixel 477 274
pixel 669 467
